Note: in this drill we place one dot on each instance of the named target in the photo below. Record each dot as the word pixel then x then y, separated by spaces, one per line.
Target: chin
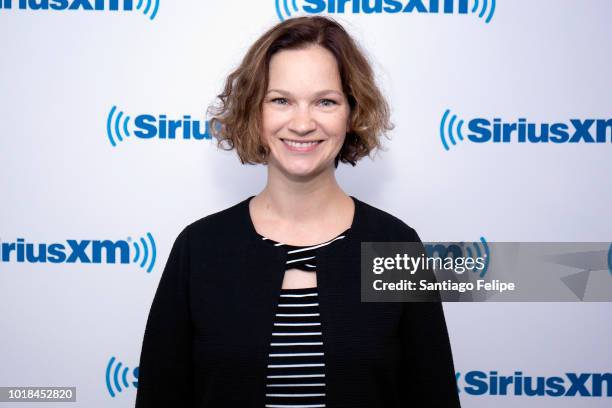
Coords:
pixel 301 169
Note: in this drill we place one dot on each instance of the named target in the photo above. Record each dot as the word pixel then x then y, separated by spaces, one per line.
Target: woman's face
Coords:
pixel 304 102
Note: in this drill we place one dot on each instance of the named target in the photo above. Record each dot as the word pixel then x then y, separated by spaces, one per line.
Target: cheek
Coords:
pixel 335 126
pixel 265 120
pixel 272 121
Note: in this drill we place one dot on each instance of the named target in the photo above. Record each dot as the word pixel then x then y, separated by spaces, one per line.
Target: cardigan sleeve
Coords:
pixel 165 375
pixel 427 361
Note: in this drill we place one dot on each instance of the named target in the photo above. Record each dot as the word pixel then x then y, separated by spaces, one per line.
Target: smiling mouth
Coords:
pixel 300 143
pixel 301 146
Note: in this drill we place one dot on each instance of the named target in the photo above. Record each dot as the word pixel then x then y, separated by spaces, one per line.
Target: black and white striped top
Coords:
pixel 295 376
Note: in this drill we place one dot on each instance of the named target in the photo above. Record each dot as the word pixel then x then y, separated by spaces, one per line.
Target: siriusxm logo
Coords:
pixel 147 126
pixel 116 376
pixel 148 7
pixel 568 385
pixel 83 251
pixel 484 9
pixel 482 130
pixel 462 250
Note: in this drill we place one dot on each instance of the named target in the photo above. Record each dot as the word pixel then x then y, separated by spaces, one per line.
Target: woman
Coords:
pixel 259 304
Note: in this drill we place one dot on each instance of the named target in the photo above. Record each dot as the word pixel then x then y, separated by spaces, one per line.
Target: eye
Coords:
pixel 280 101
pixel 327 102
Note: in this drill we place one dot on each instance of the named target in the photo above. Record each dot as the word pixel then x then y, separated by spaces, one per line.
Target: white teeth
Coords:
pixel 300 144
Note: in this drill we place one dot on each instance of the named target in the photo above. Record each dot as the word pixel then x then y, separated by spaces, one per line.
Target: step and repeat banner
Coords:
pixel 503 133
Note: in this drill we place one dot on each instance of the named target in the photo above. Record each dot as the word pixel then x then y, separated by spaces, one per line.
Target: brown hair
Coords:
pixel 237 119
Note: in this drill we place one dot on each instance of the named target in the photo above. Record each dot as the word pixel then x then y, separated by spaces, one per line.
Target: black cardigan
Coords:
pixel 209 327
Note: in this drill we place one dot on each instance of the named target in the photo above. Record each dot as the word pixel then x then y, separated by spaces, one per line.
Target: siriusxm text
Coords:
pixel 576 131
pixel 386 6
pixel 94 5
pixel 72 251
pixel 149 126
pixel 568 385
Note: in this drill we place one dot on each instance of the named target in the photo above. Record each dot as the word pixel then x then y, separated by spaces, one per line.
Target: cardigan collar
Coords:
pixel 351 236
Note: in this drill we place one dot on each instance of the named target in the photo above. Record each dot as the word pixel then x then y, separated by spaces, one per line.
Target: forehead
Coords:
pixel 299 70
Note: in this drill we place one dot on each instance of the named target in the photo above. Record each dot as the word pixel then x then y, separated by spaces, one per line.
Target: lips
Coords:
pixel 301 146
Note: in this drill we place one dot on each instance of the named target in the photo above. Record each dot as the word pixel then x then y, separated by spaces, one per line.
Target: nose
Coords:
pixel 302 123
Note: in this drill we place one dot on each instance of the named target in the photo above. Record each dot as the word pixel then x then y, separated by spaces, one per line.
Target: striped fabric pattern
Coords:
pixel 295 375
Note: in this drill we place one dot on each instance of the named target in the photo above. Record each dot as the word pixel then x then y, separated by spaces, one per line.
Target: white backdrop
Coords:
pixel 62 71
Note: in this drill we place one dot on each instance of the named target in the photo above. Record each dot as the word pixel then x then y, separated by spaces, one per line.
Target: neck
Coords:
pixel 303 202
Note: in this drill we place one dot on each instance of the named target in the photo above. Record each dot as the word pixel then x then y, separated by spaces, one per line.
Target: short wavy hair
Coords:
pixel 236 120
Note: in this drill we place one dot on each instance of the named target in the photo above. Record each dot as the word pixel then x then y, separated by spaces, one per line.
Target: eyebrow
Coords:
pixel 319 93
